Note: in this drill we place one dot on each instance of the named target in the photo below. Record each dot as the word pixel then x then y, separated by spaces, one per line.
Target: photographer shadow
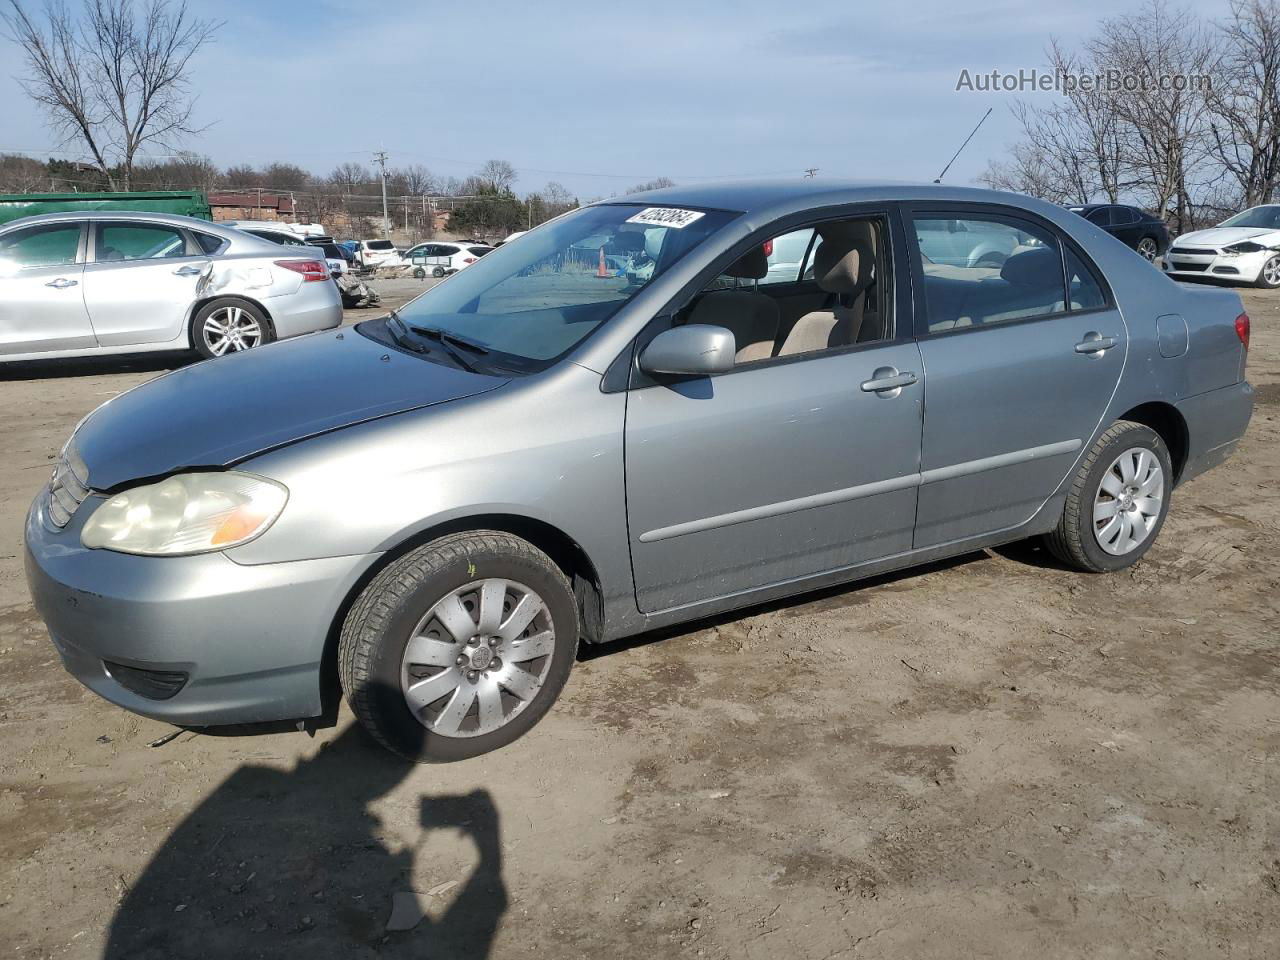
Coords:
pixel 295 863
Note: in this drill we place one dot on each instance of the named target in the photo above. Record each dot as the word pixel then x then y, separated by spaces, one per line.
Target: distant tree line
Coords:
pixel 1189 152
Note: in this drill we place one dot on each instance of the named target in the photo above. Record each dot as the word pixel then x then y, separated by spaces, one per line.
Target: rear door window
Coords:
pixel 138 241
pixel 1101 216
pixel 992 270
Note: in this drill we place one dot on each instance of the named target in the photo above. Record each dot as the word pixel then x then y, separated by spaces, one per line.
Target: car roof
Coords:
pixel 225 231
pixel 770 198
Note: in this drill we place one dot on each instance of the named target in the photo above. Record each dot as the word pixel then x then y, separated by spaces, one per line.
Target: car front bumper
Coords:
pixel 244 643
pixel 1243 268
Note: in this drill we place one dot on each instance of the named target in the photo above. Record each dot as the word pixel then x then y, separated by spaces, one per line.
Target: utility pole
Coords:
pixel 380 158
pixel 810 172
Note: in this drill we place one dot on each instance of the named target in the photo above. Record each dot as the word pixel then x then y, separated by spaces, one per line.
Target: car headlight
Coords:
pixel 1247 246
pixel 185 514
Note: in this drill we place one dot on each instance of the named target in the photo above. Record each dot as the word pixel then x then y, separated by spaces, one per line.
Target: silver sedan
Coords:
pixel 622 421
pixel 83 283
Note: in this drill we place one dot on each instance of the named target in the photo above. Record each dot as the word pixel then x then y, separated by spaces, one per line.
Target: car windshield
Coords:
pixel 379 244
pixel 1268 217
pixel 529 302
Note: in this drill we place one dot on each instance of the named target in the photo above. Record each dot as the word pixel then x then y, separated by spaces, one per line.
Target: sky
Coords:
pixel 601 96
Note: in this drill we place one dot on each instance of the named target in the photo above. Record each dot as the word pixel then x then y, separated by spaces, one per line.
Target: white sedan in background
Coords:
pixel 1245 248
pixel 84 283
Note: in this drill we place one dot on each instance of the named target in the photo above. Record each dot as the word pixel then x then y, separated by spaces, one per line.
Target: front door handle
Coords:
pixel 888 382
pixel 1094 342
pixel 190 270
pixel 61 283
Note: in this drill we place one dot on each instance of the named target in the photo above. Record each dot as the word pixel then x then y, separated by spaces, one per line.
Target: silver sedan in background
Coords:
pixel 83 283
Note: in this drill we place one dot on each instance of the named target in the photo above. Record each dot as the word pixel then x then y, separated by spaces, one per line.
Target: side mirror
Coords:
pixel 696 349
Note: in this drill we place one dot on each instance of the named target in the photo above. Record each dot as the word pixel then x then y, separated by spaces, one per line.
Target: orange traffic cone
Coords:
pixel 602 270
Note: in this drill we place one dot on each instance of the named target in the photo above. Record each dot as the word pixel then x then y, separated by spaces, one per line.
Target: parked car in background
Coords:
pixel 377 253
pixel 79 284
pixel 1244 248
pixel 446 257
pixel 446 501
pixel 1133 227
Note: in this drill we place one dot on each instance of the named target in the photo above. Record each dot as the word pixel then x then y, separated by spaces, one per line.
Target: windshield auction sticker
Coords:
pixel 666 217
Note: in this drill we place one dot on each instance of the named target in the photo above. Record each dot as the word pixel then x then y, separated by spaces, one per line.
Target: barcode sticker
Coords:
pixel 672 217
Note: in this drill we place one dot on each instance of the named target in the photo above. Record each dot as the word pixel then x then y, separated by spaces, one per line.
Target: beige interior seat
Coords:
pixel 752 317
pixel 843 265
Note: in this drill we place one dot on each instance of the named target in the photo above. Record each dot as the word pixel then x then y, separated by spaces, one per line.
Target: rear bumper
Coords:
pixel 248 640
pixel 1216 422
pixel 316 306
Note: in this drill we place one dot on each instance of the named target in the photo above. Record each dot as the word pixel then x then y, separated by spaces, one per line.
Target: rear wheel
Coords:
pixel 438 272
pixel 1147 248
pixel 229 326
pixel 1117 502
pixel 1269 275
pixel 459 647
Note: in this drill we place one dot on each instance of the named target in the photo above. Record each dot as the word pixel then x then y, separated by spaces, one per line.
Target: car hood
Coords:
pixel 216 413
pixel 1224 236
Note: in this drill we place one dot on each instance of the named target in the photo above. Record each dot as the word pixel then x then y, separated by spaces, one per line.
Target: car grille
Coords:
pixel 1189 267
pixel 1188 252
pixel 67 489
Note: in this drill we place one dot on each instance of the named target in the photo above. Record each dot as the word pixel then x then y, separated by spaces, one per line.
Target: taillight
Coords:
pixel 1242 329
pixel 768 248
pixel 312 270
pixel 468 259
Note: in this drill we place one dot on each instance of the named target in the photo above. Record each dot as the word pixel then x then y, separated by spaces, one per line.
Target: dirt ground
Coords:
pixel 990 757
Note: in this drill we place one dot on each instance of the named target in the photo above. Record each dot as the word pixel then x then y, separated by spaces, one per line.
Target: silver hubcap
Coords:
pixel 1271 271
pixel 1147 248
pixel 1127 506
pixel 230 330
pixel 477 658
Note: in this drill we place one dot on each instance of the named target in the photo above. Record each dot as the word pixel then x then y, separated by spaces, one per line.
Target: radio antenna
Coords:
pixel 963 145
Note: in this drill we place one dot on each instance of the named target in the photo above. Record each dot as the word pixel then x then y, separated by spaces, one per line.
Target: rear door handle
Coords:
pixel 190 270
pixel 888 382
pixel 61 283
pixel 1095 342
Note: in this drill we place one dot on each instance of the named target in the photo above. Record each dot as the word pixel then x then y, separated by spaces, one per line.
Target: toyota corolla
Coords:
pixel 620 421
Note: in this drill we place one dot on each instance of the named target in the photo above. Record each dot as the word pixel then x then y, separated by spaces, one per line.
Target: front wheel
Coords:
pixel 1117 502
pixel 459 647
pixel 1269 275
pixel 229 326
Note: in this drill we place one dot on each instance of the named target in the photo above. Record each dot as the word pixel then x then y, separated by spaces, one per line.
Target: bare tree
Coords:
pixel 1245 100
pixel 498 175
pixel 114 81
pixel 350 176
pixel 19 174
pixel 1164 126
pixel 417 180
pixel 657 183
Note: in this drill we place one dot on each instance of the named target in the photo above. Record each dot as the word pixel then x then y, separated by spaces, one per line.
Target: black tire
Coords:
pixel 199 340
pixel 438 272
pixel 1148 243
pixel 419 273
pixel 378 627
pixel 1074 541
pixel 1262 280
